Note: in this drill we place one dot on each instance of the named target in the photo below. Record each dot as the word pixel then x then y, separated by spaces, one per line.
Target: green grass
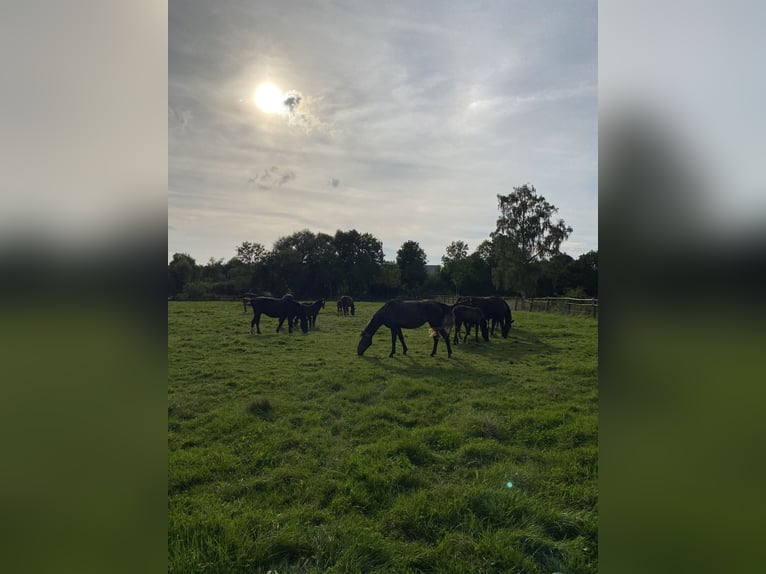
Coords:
pixel 292 454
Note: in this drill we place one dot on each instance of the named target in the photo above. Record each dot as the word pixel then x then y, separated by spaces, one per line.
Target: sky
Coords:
pixel 400 119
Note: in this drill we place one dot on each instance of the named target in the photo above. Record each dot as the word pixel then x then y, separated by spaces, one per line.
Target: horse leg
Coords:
pixel 393 342
pixel 257 322
pixel 444 334
pixel 401 339
pixel 457 332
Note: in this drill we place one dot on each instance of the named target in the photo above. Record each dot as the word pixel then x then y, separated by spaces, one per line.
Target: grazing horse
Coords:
pixel 398 315
pixel 311 310
pixel 494 308
pixel 469 316
pixel 345 305
pixel 284 309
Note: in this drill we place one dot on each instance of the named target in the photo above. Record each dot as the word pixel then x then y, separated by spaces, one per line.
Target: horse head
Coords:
pixel 365 340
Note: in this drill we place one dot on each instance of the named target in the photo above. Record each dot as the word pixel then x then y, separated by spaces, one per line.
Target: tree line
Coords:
pixel 521 257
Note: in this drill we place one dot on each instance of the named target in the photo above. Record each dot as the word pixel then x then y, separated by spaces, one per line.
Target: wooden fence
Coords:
pixel 566 305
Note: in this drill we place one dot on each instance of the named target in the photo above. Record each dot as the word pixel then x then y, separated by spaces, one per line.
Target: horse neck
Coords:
pixel 374 324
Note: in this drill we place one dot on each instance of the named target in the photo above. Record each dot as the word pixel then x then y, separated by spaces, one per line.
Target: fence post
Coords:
pixel 547 304
pixel 594 307
pixel 516 304
pixel 569 308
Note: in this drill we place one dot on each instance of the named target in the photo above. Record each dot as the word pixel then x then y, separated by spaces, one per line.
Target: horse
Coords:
pixel 398 315
pixel 469 316
pixel 246 298
pixel 285 308
pixel 345 304
pixel 494 309
pixel 311 310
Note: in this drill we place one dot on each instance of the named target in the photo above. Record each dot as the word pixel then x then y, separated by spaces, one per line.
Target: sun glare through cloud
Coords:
pixel 269 98
pixel 291 105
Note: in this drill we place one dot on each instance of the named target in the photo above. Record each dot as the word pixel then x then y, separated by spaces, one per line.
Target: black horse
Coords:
pixel 246 298
pixel 284 309
pixel 311 310
pixel 398 315
pixel 494 309
pixel 470 317
pixel 345 305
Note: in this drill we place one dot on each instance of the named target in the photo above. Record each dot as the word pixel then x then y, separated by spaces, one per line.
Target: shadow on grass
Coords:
pixel 518 344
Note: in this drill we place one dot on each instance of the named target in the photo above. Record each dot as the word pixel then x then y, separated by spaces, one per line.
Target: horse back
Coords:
pixel 275 307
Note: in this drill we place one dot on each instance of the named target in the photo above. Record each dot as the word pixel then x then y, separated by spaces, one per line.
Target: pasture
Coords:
pixel 290 453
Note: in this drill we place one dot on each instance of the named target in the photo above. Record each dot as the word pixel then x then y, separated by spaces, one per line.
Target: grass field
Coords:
pixel 292 454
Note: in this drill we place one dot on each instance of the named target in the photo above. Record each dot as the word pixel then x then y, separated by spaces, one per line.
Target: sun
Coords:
pixel 269 98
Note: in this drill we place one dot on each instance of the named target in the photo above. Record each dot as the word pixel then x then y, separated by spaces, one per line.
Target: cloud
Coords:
pixel 386 93
pixel 272 177
pixel 299 113
pixel 178 118
pixel 292 101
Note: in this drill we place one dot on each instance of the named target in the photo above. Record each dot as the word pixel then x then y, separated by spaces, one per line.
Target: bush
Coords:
pixel 196 291
pixel 576 293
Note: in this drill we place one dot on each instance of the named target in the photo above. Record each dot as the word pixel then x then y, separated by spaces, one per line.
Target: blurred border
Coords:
pixel 681 231
pixel 83 251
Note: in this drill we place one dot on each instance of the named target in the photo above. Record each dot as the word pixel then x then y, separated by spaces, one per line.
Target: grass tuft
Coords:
pixel 259 406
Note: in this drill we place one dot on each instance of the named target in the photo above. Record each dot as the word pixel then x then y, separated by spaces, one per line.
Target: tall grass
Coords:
pixel 289 453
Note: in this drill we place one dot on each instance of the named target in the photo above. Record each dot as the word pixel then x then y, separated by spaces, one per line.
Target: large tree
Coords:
pixel 360 256
pixel 526 234
pixel 412 262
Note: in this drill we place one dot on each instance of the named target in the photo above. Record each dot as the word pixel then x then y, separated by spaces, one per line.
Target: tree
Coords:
pixel 455 264
pixel 282 271
pixel 388 280
pixel 251 252
pixel 584 272
pixel 214 270
pixel 525 234
pixel 181 270
pixel 554 277
pixel 411 260
pixel 360 256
